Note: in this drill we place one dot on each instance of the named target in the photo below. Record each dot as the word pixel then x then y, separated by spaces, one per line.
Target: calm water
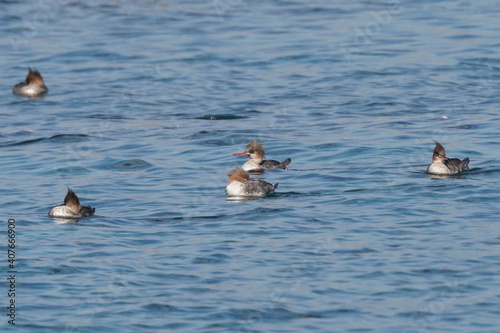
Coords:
pixel 148 102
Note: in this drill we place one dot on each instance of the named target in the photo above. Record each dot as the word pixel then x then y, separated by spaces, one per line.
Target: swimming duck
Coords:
pixel 255 151
pixel 240 184
pixel 71 208
pixel 442 165
pixel 32 86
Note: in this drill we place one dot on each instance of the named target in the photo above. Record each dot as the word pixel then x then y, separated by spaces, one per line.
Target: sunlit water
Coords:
pixel 146 105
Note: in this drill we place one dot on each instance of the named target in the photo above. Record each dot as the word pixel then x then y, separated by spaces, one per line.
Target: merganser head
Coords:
pixel 71 200
pixel 34 77
pixel 439 153
pixel 254 151
pixel 238 175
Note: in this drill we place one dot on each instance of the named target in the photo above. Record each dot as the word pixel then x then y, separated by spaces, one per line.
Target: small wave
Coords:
pixel 211 259
pixel 466 126
pixel 475 171
pixel 293 194
pixel 156 307
pixel 70 170
pixel 133 164
pixel 220 116
pixel 204 134
pixel 63 138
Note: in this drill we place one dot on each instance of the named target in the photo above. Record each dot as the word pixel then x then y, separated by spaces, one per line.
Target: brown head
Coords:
pixel 34 77
pixel 238 175
pixel 439 153
pixel 71 200
pixel 254 151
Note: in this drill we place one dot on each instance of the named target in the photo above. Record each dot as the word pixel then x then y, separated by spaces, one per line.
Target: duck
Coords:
pixel 241 185
pixel 442 165
pixel 71 208
pixel 33 85
pixel 255 152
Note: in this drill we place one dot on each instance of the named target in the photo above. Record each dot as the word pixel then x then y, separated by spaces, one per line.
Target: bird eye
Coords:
pixel 251 151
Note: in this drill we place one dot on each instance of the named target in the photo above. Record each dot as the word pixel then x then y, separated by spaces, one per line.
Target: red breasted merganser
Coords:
pixel 241 185
pixel 255 152
pixel 33 86
pixel 442 165
pixel 71 208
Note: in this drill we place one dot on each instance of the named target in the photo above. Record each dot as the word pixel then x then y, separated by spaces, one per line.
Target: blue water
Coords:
pixel 148 101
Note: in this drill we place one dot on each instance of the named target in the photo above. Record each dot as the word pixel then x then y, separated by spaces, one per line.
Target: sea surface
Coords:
pixel 148 101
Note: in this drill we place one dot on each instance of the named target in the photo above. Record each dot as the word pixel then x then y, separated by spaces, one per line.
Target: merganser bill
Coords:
pixel 241 185
pixel 71 208
pixel 33 86
pixel 255 152
pixel 442 165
